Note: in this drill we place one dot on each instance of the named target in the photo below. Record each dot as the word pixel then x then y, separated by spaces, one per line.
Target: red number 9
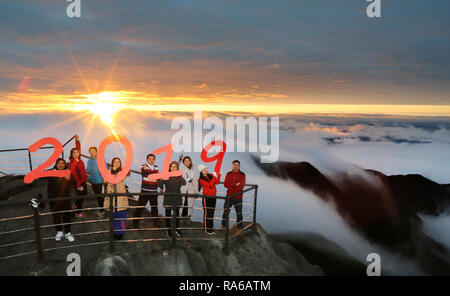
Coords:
pixel 219 156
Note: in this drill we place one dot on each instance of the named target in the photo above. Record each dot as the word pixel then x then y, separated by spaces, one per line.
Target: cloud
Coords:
pixel 282 205
pixel 227 46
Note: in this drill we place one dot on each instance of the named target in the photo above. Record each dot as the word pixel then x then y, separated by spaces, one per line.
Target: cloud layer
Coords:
pixel 258 51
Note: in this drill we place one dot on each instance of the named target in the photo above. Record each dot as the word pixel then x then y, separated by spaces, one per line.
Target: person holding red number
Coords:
pixel 234 182
pixel 150 187
pixel 95 178
pixel 78 170
pixel 208 183
pixel 120 202
pixel 172 202
pixel 191 187
pixel 58 187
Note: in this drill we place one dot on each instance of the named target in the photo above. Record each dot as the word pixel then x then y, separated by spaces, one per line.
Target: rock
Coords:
pixel 318 250
pixel 250 252
pixel 112 265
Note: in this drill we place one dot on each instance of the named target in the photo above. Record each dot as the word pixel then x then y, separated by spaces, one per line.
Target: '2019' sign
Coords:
pixel 40 171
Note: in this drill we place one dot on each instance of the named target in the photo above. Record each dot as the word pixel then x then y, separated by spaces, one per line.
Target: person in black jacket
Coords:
pixel 60 187
pixel 172 202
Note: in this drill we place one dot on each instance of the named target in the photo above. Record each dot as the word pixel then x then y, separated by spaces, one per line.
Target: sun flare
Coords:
pixel 104 105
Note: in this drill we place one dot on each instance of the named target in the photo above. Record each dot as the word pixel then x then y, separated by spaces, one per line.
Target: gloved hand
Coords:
pixel 34 202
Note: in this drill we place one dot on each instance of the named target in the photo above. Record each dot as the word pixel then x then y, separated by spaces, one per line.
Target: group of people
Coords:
pixel 179 193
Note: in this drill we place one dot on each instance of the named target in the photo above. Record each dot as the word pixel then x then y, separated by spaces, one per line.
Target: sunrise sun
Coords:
pixel 104 105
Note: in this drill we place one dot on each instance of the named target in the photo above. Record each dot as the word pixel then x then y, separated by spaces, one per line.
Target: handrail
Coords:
pixel 129 194
pixel 37 227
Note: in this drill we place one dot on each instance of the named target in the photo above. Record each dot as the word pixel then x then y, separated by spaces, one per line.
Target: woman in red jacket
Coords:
pixel 208 183
pixel 78 170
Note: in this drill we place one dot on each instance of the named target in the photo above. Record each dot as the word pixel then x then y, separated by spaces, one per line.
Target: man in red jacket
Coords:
pixel 234 182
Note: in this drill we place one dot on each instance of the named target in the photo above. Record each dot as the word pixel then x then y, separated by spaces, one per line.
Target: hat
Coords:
pixel 201 167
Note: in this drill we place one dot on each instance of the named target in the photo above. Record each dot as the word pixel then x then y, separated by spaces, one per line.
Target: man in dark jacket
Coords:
pixel 234 182
pixel 149 186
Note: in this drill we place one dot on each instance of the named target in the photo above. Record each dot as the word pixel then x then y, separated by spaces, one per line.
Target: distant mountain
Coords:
pixel 384 208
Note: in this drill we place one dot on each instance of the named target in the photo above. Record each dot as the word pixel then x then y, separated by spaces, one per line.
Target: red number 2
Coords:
pixel 39 171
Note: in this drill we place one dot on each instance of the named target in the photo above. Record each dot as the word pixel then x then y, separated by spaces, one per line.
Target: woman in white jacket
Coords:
pixel 191 187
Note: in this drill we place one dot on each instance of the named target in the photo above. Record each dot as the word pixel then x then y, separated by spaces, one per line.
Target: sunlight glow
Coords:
pixel 105 105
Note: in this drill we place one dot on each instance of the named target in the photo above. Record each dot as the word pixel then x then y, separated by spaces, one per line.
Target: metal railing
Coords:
pixel 37 226
pixel 22 162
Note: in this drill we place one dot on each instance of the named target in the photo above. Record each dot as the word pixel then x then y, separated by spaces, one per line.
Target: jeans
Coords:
pixel 237 204
pixel 98 189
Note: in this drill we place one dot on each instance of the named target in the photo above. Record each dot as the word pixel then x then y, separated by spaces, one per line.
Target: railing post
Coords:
pixel 111 221
pixel 29 160
pixel 173 224
pixel 37 230
pixel 254 205
pixel 227 223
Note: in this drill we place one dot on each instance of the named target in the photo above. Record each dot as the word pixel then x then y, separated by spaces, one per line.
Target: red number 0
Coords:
pixel 101 159
pixel 219 156
pixel 39 171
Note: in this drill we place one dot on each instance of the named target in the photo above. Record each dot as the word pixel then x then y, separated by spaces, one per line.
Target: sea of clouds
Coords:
pixel 332 143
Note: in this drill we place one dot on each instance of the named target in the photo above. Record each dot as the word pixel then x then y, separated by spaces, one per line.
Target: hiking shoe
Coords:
pixel 59 236
pixel 69 237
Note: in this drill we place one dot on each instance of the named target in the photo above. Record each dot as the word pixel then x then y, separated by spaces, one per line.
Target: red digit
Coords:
pixel 219 156
pixel 39 171
pixel 165 174
pixel 114 179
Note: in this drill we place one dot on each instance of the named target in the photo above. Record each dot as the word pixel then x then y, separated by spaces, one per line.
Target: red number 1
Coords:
pixel 165 174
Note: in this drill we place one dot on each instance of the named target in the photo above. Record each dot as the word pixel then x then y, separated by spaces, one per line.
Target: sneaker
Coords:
pixel 59 236
pixel 178 233
pixel 210 232
pixel 69 237
pixel 80 215
pixel 100 214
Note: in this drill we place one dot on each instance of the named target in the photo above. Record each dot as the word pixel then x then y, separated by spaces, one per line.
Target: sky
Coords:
pixel 317 64
pixel 304 56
